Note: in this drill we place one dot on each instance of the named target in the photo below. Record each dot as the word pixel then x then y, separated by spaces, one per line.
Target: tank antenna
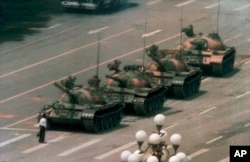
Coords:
pixel 181 24
pixel 98 54
pixel 144 42
pixel 218 13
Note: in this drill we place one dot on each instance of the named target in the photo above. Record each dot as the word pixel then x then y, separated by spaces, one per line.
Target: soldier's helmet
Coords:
pixel 114 66
pixel 94 81
pixel 188 31
pixel 152 50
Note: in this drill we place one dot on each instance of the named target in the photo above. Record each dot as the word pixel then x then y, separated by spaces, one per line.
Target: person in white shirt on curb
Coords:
pixel 42 127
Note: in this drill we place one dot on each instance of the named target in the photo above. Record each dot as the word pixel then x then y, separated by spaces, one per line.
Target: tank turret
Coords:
pixel 200 42
pixel 83 106
pixel 170 70
pixel 208 52
pixel 161 61
pixel 133 87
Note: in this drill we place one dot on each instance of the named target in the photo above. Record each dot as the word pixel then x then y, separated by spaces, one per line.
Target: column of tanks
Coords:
pixel 140 89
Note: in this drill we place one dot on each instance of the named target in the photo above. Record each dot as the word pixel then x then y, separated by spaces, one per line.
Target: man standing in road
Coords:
pixel 42 127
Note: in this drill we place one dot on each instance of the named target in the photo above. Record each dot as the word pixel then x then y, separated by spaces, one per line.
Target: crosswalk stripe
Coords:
pixel 35 148
pixel 68 152
pixel 119 149
pixel 14 140
pixel 225 160
pixel 199 152
pixel 242 7
pixel 212 6
pixel 40 146
pixel 185 3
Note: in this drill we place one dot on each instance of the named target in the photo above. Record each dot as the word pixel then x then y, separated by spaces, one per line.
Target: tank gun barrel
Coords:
pixel 73 96
pixel 62 88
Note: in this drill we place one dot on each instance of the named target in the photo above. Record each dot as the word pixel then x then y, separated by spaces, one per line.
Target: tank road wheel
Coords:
pixel 109 121
pixel 180 92
pixel 50 124
pixel 218 69
pixel 188 90
pixel 104 123
pixel 117 118
pixel 155 104
pixel 116 4
pixel 150 104
pixel 97 124
pixel 231 62
pixel 101 122
pixel 197 85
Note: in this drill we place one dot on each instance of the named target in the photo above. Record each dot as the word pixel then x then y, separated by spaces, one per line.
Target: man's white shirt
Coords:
pixel 42 122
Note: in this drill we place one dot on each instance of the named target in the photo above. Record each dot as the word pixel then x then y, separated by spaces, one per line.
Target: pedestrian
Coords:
pixel 42 128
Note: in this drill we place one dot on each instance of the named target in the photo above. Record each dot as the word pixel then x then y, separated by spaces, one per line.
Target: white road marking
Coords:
pixel 119 149
pixel 63 54
pixel 206 79
pixel 203 112
pixel 247 62
pixel 48 28
pixel 77 148
pixel 40 146
pixel 97 30
pixel 211 6
pixel 57 139
pixel 244 94
pixel 151 33
pixel 213 140
pixel 248 39
pixel 171 126
pixel 89 68
pixel 14 140
pixel 21 121
pixel 225 160
pixel 38 40
pixel 246 125
pixel 199 152
pixel 242 7
pixel 229 39
pixel 153 2
pixel 19 129
pixel 54 26
pixel 185 3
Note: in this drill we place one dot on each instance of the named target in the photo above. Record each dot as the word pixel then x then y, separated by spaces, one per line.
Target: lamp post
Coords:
pixel 157 149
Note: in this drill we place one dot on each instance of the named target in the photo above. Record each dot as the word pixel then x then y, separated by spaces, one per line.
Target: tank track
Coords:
pixel 153 103
pixel 225 67
pixel 190 86
pixel 103 119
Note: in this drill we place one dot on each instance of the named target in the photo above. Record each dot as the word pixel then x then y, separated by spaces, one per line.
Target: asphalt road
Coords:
pixel 210 121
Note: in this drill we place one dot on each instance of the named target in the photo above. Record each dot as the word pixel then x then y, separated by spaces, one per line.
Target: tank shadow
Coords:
pixel 79 129
pixel 232 73
pixel 192 97
pixel 227 75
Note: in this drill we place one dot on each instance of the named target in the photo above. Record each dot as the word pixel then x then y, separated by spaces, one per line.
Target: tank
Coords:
pixel 87 107
pixel 170 70
pixel 208 52
pixel 132 86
